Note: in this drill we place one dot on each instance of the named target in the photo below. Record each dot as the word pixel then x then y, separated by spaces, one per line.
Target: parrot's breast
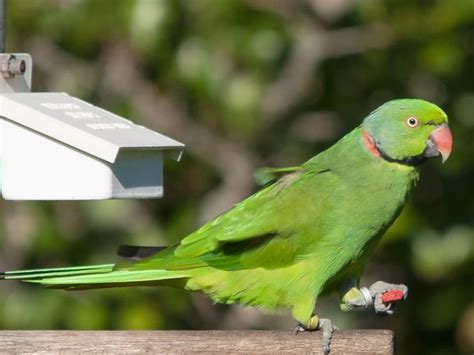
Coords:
pixel 361 208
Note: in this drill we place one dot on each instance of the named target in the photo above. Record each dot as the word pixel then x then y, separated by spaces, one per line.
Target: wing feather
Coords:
pixel 269 229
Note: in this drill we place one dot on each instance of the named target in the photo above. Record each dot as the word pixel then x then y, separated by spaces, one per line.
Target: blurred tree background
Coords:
pixel 245 84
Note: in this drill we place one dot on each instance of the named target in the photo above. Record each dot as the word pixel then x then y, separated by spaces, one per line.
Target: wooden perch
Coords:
pixel 344 342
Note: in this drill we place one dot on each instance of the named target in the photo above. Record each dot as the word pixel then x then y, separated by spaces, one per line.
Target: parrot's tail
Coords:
pixel 39 274
pixel 94 276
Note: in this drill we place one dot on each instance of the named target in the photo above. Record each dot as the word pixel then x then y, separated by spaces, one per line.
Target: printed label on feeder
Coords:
pixel 71 111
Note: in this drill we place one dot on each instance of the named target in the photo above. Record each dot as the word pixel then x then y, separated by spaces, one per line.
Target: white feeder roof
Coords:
pixel 81 125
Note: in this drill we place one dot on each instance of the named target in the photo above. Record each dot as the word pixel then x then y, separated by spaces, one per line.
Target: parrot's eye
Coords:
pixel 412 122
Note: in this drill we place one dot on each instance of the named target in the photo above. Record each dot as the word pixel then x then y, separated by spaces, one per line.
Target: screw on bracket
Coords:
pixel 12 66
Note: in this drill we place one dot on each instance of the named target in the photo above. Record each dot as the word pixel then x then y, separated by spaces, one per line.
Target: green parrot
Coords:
pixel 308 231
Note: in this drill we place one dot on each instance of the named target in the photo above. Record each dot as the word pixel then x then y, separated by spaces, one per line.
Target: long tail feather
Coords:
pixel 94 276
pixel 100 276
pixel 32 273
pixel 123 276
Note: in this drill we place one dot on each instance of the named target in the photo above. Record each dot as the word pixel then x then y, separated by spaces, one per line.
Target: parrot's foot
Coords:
pixel 385 296
pixel 380 294
pixel 319 324
pixel 356 298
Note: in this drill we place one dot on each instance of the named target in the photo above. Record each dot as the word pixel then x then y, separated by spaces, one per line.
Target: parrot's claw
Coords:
pixel 326 326
pixel 299 328
pixel 379 290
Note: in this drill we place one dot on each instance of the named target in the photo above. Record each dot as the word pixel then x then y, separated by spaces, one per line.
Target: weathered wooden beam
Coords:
pixel 343 342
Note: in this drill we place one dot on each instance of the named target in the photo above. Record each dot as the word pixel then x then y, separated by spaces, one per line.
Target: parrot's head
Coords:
pixel 407 131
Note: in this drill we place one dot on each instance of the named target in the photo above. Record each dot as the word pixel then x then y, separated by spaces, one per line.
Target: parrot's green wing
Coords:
pixel 260 231
pixel 250 219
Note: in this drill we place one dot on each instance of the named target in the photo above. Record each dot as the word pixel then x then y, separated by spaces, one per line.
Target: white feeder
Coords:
pixel 58 147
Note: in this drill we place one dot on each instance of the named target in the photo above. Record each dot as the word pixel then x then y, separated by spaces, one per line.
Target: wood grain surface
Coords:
pixel 174 342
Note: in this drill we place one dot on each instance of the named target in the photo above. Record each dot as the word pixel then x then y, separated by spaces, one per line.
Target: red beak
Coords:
pixel 443 140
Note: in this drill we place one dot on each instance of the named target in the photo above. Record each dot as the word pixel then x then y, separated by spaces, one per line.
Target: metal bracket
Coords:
pixel 16 70
pixel 12 66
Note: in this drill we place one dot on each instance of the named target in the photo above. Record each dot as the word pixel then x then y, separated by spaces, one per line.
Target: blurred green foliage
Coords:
pixel 244 84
